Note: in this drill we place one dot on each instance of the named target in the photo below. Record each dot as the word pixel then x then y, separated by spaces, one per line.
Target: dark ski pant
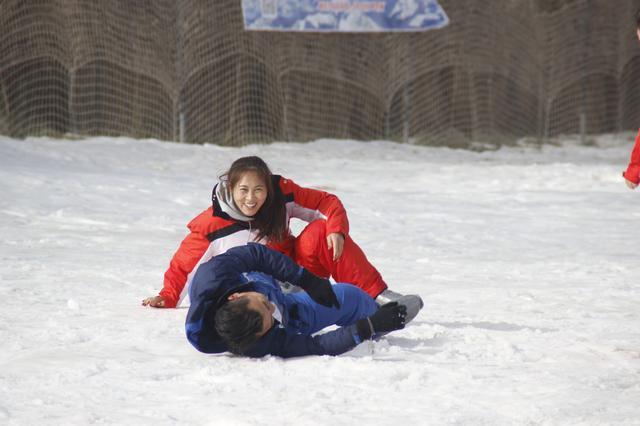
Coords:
pixel 308 317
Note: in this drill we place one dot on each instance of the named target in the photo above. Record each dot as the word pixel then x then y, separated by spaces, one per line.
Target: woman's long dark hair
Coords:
pixel 270 221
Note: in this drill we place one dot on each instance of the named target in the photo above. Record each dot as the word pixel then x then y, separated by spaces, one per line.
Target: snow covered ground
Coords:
pixel 526 259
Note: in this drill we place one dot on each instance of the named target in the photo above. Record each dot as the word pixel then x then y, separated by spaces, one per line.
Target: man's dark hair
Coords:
pixel 238 325
pixel 638 19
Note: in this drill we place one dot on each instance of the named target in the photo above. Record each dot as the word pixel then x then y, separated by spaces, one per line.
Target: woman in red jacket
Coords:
pixel 632 174
pixel 250 204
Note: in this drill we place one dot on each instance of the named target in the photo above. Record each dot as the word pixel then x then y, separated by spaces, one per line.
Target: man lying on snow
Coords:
pixel 238 306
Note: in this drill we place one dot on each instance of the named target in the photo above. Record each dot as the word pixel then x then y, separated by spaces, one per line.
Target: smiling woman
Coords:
pixel 250 194
pixel 250 204
pixel 247 193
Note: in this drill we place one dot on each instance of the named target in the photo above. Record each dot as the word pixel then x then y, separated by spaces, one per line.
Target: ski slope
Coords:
pixel 525 257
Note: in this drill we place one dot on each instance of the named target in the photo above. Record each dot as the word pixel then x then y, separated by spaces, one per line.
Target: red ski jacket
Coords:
pixel 633 170
pixel 214 232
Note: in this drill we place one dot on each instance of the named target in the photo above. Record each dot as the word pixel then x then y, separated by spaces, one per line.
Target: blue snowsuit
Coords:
pixel 255 267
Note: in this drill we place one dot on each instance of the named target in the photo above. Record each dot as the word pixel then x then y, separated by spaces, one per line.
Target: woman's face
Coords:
pixel 249 193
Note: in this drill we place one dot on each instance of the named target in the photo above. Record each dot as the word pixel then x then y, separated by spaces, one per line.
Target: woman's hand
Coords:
pixel 154 302
pixel 630 184
pixel 335 241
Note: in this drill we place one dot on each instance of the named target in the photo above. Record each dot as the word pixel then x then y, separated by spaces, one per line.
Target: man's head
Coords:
pixel 638 23
pixel 243 320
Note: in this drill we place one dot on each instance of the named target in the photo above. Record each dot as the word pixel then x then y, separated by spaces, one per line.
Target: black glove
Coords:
pixel 319 289
pixel 388 318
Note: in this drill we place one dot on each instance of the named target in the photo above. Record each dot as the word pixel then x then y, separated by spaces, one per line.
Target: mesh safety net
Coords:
pixel 186 70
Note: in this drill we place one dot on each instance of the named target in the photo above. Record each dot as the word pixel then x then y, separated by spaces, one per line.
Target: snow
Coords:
pixel 525 256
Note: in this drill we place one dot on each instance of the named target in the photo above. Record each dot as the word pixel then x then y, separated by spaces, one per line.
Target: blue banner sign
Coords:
pixel 343 15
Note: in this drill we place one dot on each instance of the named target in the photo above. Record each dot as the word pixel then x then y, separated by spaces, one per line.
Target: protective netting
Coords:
pixel 187 70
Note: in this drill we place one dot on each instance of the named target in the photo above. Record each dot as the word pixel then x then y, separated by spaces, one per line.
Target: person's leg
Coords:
pixel 311 317
pixel 352 267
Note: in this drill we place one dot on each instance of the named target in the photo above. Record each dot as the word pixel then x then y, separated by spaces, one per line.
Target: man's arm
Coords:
pixel 280 343
pixel 258 257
